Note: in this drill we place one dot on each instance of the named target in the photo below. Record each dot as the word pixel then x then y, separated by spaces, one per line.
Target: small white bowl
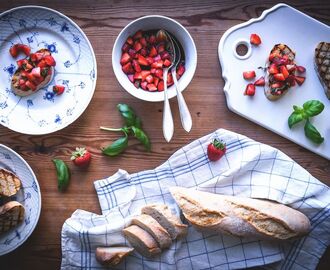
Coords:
pixel 149 23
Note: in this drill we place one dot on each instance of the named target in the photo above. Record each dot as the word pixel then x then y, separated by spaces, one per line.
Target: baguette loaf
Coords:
pixel 11 214
pixel 111 256
pixel 243 217
pixel 151 225
pixel 142 241
pixel 9 183
pixel 166 219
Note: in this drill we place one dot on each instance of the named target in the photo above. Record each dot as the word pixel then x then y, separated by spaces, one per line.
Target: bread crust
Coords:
pixel 11 214
pixel 10 183
pixel 111 256
pixel 238 216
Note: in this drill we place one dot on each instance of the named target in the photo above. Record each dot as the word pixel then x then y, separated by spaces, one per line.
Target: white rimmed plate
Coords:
pixel 29 196
pixel 43 112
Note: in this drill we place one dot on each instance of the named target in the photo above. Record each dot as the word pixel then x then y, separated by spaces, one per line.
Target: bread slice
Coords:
pixel 151 225
pixel 111 256
pixel 238 216
pixel 142 241
pixel 11 214
pixel 322 65
pixel 171 223
pixel 10 184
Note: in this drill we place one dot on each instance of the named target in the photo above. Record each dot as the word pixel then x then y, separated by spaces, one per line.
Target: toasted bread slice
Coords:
pixel 11 214
pixel 322 65
pixel 10 184
pixel 111 256
pixel 277 93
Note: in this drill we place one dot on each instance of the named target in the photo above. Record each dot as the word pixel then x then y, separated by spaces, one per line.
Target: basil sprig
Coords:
pixel 133 126
pixel 309 109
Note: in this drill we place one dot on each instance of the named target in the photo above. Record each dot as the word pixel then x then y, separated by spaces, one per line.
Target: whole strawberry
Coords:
pixel 216 149
pixel 81 157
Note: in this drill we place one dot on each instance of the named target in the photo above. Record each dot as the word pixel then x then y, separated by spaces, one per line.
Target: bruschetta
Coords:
pixel 33 73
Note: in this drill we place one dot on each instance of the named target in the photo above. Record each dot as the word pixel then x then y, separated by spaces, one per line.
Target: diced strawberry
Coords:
pixel 250 90
pixel 132 53
pixel 165 55
pixel 161 48
pixel 169 79
pixel 137 83
pixel 144 52
pixel 149 78
pixel 158 64
pixel 138 35
pixel 143 42
pixel 161 86
pixel 30 85
pixel 152 39
pixel 290 67
pixel 150 60
pixel 42 64
pixel 30 76
pixel 260 82
pixel 180 70
pixel 50 60
pixel 249 75
pixel 276 85
pixel 58 89
pixel 255 39
pixel 13 51
pixel 273 55
pixel 131 77
pixel 151 87
pixel 35 57
pixel 18 48
pixel 156 80
pixel 21 82
pixel 272 69
pixel 130 41
pixel 301 69
pixel 136 66
pixel 137 46
pixel 167 63
pixel 153 51
pixel 300 80
pixel 125 47
pixel 21 62
pixel 153 70
pixel 279 77
pixel 36 72
pixel 125 58
pixel 159 73
pixel 291 80
pixel 142 60
pixel 284 71
pixel 127 68
pixel 144 85
pixel 144 74
pixel 157 58
pixel 137 76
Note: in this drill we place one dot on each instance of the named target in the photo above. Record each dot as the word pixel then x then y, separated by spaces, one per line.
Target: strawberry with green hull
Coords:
pixel 215 150
pixel 281 72
pixel 81 157
pixel 33 73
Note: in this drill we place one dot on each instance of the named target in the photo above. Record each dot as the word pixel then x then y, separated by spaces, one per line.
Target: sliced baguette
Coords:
pixel 242 217
pixel 142 241
pixel 111 256
pixel 151 225
pixel 10 184
pixel 11 214
pixel 171 223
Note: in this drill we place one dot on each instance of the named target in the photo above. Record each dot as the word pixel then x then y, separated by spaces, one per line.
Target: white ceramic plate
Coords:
pixel 280 24
pixel 29 196
pixel 43 112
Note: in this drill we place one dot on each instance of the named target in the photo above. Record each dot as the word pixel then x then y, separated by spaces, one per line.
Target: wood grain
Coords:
pixel 102 21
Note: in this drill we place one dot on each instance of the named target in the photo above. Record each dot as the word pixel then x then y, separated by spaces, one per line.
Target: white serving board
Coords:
pixel 280 24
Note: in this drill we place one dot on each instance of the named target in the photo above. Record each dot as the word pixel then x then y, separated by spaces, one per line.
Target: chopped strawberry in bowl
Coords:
pixel 140 55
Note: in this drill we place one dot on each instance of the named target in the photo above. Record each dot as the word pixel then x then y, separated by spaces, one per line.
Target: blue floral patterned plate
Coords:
pixel 29 196
pixel 43 112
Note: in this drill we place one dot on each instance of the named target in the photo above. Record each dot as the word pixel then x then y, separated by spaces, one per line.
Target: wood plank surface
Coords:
pixel 102 21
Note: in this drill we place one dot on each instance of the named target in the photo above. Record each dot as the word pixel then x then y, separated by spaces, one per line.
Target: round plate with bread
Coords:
pixel 20 200
pixel 40 109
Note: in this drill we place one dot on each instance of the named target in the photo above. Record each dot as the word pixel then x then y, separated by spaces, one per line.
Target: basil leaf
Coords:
pixel 116 147
pixel 295 118
pixel 313 107
pixel 63 174
pixel 312 133
pixel 128 114
pixel 142 137
pixel 138 123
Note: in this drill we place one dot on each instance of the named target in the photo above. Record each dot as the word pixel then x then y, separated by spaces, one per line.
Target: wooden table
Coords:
pixel 102 21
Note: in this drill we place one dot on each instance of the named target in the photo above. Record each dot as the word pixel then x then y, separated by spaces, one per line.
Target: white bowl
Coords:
pixel 149 23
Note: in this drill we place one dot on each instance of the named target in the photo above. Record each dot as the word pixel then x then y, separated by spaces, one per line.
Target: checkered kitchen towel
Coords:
pixel 249 169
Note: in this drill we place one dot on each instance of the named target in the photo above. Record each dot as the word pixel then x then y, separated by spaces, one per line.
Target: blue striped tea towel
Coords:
pixel 249 169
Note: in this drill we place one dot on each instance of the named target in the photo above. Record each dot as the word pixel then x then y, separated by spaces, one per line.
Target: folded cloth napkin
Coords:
pixel 249 169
